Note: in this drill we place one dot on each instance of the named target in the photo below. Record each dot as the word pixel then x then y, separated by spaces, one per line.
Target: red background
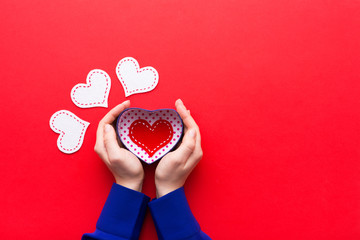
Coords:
pixel 273 84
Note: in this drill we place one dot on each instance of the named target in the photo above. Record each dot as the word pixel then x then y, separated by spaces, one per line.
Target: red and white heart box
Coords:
pixel 149 134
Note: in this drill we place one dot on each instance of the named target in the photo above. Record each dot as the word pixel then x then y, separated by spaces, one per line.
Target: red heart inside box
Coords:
pixel 149 134
pixel 151 137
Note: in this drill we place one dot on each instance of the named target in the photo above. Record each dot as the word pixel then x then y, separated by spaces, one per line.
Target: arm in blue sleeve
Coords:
pixel 173 218
pixel 122 215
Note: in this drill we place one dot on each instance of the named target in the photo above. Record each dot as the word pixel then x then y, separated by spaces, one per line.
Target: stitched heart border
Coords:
pixel 135 79
pixel 71 129
pixel 93 93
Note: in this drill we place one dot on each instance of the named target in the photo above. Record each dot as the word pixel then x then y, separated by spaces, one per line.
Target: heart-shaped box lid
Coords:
pixel 149 134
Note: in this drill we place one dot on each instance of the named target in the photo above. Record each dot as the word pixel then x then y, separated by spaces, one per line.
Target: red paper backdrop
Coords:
pixel 273 84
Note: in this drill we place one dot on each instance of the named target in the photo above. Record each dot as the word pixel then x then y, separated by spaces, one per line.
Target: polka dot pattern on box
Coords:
pixel 149 134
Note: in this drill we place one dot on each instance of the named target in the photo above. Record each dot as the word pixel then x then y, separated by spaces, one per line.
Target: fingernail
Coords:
pixel 182 103
pixel 107 128
pixel 189 111
pixel 192 133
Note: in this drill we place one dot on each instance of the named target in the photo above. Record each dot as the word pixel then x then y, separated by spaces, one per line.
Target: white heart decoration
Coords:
pixel 71 129
pixel 95 92
pixel 135 79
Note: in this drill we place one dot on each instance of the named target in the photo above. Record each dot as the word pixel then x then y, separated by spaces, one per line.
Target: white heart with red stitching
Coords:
pixel 135 79
pixel 71 129
pixel 95 92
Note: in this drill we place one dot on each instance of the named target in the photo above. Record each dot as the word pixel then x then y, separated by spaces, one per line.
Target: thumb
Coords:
pixel 110 142
pixel 187 146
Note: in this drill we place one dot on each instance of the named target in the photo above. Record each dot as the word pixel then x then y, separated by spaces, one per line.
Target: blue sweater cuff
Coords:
pixel 122 215
pixel 173 218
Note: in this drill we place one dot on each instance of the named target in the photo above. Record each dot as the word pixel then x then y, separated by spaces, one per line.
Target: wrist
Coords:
pixel 163 189
pixel 135 185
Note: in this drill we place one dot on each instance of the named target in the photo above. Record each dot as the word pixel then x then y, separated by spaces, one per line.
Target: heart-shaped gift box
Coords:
pixel 149 134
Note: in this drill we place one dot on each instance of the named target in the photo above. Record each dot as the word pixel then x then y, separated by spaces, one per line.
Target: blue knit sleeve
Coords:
pixel 173 218
pixel 122 215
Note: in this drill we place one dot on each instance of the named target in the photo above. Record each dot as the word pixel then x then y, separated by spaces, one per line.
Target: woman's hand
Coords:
pixel 173 170
pixel 124 165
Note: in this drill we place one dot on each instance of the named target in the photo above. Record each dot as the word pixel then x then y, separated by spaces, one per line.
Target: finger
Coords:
pixel 114 113
pixel 111 145
pixel 188 120
pixel 99 144
pixel 185 114
pixel 194 158
pixel 99 138
pixel 109 118
pixel 188 145
pixel 198 153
